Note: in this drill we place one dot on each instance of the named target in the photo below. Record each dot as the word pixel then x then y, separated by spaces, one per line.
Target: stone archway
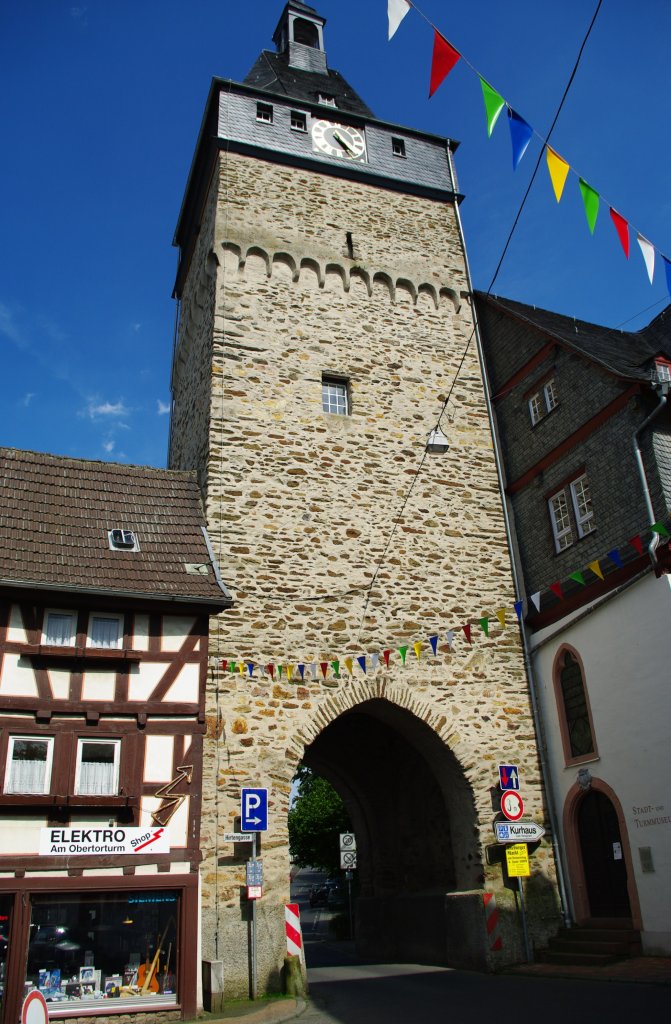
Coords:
pixel 413 811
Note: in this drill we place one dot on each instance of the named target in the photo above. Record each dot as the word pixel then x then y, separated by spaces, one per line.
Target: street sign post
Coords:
pixel 348 858
pixel 347 841
pixel 517 860
pixel 518 831
pixel 512 805
pixel 509 777
pixel 254 813
pixel 238 837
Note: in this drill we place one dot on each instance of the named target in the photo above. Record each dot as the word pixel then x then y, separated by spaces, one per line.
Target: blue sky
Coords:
pixel 102 103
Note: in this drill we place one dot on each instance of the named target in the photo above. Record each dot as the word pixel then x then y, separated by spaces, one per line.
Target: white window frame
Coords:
pixel 116 744
pixel 9 787
pixel 72 639
pixel 327 99
pixel 90 642
pixel 543 401
pixel 264 113
pixel 662 371
pixel 580 489
pixel 301 119
pixel 563 535
pixel 398 147
pixel 335 387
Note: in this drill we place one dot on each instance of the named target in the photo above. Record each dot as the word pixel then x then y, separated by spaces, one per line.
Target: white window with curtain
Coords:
pixel 97 767
pixel 105 631
pixel 60 629
pixel 29 760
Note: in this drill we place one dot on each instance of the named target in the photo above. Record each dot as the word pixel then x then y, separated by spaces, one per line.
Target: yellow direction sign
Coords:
pixel 517 860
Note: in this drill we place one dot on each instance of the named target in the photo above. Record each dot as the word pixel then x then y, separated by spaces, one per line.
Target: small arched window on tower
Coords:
pixel 575 717
pixel 305 32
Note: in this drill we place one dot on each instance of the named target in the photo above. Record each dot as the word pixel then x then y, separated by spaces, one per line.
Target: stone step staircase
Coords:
pixel 597 941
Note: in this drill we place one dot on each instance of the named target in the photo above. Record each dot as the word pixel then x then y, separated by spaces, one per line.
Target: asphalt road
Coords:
pixel 343 990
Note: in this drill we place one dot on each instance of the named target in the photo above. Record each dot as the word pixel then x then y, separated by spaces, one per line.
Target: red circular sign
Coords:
pixel 34 1009
pixel 511 805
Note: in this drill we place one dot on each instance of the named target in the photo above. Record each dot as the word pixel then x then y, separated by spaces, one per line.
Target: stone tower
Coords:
pixel 324 315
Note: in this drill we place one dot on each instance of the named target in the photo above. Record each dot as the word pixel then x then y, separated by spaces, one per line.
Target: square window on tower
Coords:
pixel 335 396
pixel 299 121
pixel 264 113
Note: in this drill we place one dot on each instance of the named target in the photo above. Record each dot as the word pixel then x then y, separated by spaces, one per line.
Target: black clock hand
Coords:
pixel 342 142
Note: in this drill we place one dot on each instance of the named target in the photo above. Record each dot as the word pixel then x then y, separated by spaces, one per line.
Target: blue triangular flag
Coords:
pixel 518 609
pixel 433 640
pixel 520 135
pixel 362 662
pixel 301 669
pixel 614 556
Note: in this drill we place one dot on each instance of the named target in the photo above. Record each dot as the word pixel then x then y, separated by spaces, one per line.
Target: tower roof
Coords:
pixel 273 72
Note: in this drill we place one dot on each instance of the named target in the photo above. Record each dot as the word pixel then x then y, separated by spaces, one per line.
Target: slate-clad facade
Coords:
pixel 106 585
pixel 584 428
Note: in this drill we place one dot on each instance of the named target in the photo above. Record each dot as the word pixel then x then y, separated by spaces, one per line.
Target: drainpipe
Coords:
pixel 662 390
pixel 519 591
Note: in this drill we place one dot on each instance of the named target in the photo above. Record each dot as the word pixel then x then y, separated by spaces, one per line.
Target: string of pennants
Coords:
pixel 445 57
pixel 333 668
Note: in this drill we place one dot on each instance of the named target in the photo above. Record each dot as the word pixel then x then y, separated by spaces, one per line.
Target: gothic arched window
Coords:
pixel 575 718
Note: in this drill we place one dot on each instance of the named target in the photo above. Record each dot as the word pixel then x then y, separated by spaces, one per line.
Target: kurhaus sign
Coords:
pixel 113 840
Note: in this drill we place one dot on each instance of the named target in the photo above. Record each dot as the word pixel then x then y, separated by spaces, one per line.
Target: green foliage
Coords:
pixel 316 819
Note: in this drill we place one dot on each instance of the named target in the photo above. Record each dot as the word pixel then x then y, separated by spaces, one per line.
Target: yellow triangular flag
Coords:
pixel 290 671
pixel 501 616
pixel 596 568
pixel 558 169
pixel 417 648
pixel 348 665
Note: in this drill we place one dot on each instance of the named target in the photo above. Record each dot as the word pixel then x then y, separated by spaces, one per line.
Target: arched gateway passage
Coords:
pixel 415 821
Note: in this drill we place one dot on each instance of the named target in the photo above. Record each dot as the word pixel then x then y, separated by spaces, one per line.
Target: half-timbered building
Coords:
pixel 107 580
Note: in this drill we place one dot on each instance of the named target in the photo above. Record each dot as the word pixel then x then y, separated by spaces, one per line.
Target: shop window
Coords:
pixel 29 764
pixel 97 767
pixel 573 706
pixel 105 631
pixel 60 629
pixel 86 949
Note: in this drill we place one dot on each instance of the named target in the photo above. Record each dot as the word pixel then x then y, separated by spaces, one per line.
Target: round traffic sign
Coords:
pixel 511 805
pixel 34 1010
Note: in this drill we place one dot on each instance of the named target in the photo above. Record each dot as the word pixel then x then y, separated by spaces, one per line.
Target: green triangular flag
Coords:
pixel 484 622
pixel 494 104
pixel 578 577
pixel 660 529
pixel 403 651
pixel 335 665
pixel 590 198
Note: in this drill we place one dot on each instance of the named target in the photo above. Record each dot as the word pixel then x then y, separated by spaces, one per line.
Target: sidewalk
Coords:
pixel 256 1011
pixel 645 970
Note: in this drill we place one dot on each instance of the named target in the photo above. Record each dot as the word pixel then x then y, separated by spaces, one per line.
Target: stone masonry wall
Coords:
pixel 301 506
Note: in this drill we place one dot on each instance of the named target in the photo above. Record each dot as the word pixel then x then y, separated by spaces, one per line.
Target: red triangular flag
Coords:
pixel 637 543
pixel 444 59
pixel 622 228
pixel 556 589
pixel 270 669
pixel 385 655
pixel 324 666
pixel 467 631
pixel 224 664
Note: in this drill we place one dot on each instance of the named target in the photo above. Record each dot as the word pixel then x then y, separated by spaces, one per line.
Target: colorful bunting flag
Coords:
pixel 290 672
pixel 433 640
pixel 224 664
pixel 335 665
pixel 301 669
pixel 636 543
pixel 520 136
pixel 444 59
pixel 349 665
pixel 558 169
pixel 660 529
pixel 622 228
pixel 614 556
pixel 280 670
pixel 519 605
pixel 271 671
pixel 250 668
pixel 396 12
pixel 578 577
pixel 494 104
pixel 467 632
pixel 374 661
pixel 648 252
pixel 385 655
pixel 362 663
pixel 536 598
pixel 241 668
pixel 596 568
pixel 417 648
pixel 449 636
pixel 324 666
pixel 590 198
pixel 501 616
pixel 403 651
pixel 556 589
pixel 484 623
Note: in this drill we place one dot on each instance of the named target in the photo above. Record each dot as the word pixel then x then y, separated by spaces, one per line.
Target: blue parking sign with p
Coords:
pixel 254 816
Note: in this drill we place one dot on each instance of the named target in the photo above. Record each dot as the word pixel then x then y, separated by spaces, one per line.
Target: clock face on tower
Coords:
pixel 339 140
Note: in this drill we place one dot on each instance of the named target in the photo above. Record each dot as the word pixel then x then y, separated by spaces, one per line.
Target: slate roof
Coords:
pixel 272 73
pixel 626 353
pixel 55 514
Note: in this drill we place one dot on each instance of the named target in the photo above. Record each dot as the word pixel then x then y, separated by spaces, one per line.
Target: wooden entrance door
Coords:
pixel 603 857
